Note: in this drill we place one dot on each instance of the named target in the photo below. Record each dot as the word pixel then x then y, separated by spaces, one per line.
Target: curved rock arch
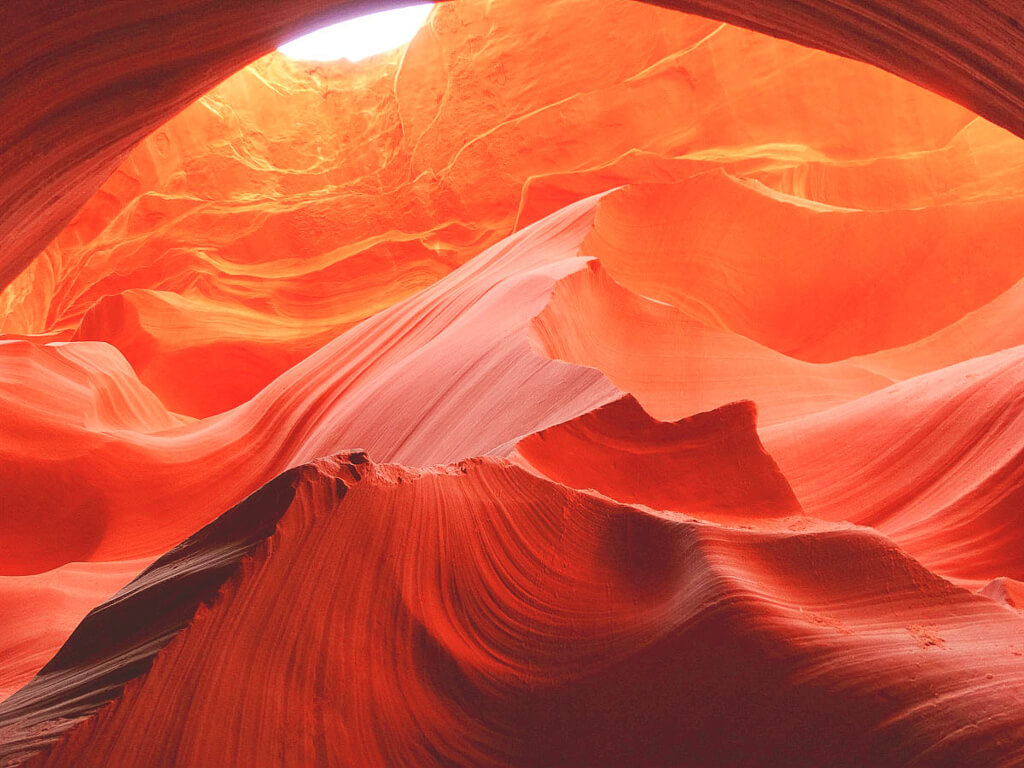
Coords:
pixel 83 81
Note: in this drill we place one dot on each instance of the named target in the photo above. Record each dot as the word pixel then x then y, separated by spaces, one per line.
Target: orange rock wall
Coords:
pixel 471 406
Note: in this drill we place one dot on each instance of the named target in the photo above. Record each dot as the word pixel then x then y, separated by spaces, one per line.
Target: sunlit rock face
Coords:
pixel 580 384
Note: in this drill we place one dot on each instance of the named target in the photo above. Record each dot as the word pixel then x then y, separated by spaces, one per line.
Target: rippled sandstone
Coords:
pixel 470 406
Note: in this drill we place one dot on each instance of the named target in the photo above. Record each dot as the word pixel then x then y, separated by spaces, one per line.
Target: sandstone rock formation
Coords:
pixel 477 404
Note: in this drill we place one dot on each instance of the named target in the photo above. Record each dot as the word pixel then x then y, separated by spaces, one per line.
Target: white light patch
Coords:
pixel 358 38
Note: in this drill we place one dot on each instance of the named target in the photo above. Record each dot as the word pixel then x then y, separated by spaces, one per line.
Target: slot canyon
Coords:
pixel 570 383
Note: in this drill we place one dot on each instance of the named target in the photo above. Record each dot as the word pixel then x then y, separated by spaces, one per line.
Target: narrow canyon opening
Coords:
pixel 361 37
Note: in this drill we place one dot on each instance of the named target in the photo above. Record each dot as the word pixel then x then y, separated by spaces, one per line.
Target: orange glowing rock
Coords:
pixel 812 281
pixel 477 404
pixel 677 365
pixel 277 234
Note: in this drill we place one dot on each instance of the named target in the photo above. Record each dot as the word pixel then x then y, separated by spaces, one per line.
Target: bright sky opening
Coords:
pixel 360 37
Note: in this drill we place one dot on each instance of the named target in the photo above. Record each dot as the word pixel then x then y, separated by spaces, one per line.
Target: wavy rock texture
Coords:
pixel 935 462
pixel 469 406
pixel 676 364
pixel 69 133
pixel 236 240
pixel 519 622
pixel 452 367
pixel 711 464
